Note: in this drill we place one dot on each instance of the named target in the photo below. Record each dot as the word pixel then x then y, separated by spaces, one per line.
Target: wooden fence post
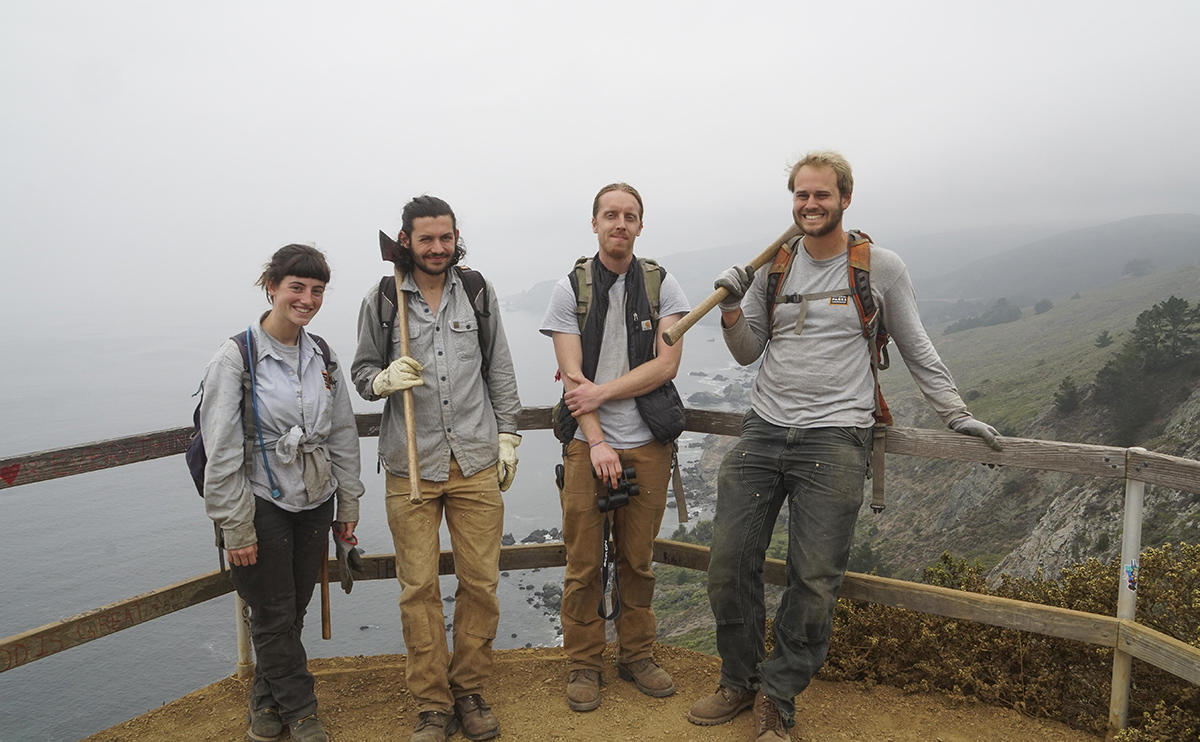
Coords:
pixel 1131 549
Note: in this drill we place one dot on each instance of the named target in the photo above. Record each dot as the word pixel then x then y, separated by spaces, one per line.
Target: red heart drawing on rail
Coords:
pixel 9 473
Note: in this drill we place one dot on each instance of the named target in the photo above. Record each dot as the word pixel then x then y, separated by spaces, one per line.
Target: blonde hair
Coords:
pixel 841 168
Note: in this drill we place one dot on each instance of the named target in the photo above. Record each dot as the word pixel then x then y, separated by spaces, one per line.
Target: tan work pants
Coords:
pixel 636 526
pixel 474 514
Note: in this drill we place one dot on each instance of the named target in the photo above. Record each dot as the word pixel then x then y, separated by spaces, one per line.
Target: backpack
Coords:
pixel 195 455
pixel 476 288
pixel 873 329
pixel 581 282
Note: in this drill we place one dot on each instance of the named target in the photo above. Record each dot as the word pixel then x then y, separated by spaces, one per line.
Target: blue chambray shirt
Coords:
pixel 284 399
pixel 457 412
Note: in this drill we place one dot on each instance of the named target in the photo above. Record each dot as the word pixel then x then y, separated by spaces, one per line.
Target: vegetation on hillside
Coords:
pixel 997 314
pixel 1154 368
pixel 1038 675
pixel 1036 378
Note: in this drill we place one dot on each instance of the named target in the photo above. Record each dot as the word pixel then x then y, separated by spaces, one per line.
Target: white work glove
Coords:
pixel 403 373
pixel 735 280
pixel 506 466
pixel 970 426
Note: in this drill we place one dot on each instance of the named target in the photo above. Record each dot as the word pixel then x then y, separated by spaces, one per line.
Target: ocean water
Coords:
pixel 81 542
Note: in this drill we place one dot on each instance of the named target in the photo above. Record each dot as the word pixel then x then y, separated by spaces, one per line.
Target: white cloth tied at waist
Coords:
pixel 315 461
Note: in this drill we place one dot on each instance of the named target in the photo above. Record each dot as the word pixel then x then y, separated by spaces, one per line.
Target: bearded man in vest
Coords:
pixel 466 407
pixel 806 441
pixel 620 409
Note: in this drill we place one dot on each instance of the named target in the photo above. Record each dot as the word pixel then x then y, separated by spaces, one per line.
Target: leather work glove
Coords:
pixel 735 280
pixel 970 426
pixel 506 467
pixel 349 558
pixel 403 373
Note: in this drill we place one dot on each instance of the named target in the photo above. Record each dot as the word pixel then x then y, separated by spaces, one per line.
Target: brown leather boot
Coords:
pixel 434 726
pixel 648 677
pixel 265 725
pixel 476 717
pixel 583 690
pixel 720 707
pixel 770 723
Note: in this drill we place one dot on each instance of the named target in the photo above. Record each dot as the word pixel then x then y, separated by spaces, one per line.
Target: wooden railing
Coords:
pixel 1127 638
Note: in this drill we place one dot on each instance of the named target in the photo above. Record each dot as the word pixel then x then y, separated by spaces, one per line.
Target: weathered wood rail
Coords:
pixel 1107 462
pixel 1128 638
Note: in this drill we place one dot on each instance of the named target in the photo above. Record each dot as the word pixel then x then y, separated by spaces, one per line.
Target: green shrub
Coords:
pixel 1037 675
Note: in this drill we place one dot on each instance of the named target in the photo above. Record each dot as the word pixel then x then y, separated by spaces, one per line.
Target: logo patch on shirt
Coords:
pixel 646 326
pixel 839 300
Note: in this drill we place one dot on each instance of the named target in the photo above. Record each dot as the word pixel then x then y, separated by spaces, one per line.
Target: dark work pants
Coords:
pixel 277 588
pixel 819 473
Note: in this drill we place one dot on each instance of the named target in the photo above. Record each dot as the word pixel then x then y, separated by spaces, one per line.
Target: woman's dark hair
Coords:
pixel 301 261
pixel 426 206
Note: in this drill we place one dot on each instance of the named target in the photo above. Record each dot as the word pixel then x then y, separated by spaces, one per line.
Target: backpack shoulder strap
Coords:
pixel 476 290
pixel 476 287
pixel 780 266
pixel 387 290
pixel 859 267
pixel 327 357
pixel 652 278
pixel 245 344
pixel 859 262
pixel 326 354
pixel 581 282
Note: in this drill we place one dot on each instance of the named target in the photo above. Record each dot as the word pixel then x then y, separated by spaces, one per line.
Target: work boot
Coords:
pixel 476 717
pixel 265 725
pixel 720 707
pixel 583 690
pixel 308 729
pixel 648 677
pixel 770 723
pixel 434 726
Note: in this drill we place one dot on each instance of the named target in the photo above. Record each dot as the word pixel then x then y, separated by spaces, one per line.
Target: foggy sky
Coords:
pixel 156 153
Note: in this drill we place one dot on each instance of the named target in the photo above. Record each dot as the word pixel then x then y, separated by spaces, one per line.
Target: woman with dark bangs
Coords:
pixel 282 449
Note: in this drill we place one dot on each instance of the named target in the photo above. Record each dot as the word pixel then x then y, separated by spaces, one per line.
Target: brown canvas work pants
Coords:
pixel 474 514
pixel 636 526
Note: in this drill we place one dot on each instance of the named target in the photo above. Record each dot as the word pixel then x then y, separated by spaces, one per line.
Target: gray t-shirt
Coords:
pixel 821 375
pixel 619 419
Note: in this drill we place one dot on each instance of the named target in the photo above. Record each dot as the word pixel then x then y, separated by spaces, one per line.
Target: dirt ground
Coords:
pixel 364 698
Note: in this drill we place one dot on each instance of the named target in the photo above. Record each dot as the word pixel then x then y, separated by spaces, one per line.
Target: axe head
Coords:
pixel 389 248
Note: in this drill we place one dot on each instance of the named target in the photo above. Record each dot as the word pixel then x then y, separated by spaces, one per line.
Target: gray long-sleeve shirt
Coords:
pixel 287 396
pixel 457 411
pixel 821 376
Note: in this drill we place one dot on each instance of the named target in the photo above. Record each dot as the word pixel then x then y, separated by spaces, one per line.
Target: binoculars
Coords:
pixel 618 497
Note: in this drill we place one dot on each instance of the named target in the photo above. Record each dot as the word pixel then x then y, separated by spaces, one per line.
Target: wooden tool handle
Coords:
pixel 326 618
pixel 672 334
pixel 410 413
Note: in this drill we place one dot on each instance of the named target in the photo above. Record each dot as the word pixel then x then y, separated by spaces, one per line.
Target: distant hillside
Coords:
pixel 1073 261
pixel 1019 519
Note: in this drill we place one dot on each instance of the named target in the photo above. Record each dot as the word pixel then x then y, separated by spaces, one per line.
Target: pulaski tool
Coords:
pixel 390 249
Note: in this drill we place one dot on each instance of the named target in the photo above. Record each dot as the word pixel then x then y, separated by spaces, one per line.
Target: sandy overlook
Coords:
pixel 364 698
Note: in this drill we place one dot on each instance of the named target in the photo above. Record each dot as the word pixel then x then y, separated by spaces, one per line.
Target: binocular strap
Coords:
pixel 607 561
